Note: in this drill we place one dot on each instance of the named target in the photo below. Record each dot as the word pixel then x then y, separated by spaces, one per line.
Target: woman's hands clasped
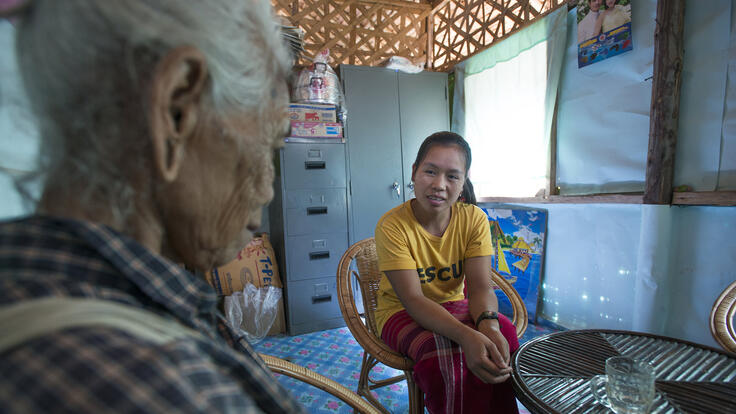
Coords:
pixel 487 353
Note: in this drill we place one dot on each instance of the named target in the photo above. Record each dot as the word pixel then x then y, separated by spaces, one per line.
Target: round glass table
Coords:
pixel 551 373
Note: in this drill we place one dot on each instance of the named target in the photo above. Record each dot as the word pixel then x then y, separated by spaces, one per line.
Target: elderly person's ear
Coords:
pixel 178 83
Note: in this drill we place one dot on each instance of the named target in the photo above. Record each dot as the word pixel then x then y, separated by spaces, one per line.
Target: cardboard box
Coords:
pixel 255 264
pixel 312 112
pixel 316 129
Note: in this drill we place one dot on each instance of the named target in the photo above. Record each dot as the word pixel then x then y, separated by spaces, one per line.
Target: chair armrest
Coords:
pixel 521 316
pixel 314 379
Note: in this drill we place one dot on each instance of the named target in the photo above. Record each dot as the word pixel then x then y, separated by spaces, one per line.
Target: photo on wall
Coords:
pixel 604 30
pixel 518 236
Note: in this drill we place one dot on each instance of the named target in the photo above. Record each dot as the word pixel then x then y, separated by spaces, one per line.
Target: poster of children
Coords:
pixel 604 30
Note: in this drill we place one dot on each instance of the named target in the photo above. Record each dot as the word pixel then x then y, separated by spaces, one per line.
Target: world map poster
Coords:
pixel 518 236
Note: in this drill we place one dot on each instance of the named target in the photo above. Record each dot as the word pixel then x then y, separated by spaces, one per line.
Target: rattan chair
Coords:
pixel 314 379
pixel 721 319
pixel 363 326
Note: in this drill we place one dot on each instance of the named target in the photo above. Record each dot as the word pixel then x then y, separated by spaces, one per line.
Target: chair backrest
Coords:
pixel 722 319
pixel 363 253
pixel 368 277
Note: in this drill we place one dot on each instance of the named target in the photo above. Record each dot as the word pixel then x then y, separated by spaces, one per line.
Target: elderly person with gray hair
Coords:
pixel 158 121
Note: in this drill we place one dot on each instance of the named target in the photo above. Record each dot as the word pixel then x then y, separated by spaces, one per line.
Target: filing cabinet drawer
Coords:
pixel 315 255
pixel 314 166
pixel 313 299
pixel 316 197
pixel 316 211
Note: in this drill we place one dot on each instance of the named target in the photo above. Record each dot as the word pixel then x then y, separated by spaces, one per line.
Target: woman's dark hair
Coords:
pixel 447 138
pixel 467 196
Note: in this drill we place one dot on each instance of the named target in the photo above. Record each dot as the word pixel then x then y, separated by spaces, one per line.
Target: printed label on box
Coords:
pixel 255 264
pixel 316 129
pixel 313 112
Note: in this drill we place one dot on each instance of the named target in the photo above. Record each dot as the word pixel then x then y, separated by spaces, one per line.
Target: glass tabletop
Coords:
pixel 551 373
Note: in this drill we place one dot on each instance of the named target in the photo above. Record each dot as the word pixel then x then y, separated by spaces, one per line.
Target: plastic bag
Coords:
pixel 403 64
pixel 318 83
pixel 253 310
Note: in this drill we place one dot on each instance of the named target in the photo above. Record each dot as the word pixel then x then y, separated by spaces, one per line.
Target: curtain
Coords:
pixel 19 140
pixel 510 92
pixel 727 169
pixel 457 123
pixel 702 140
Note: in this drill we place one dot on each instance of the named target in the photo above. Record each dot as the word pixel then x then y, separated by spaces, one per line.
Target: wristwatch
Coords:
pixel 486 315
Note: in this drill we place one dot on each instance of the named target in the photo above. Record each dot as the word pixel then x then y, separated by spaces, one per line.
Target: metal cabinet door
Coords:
pixel 424 110
pixel 374 145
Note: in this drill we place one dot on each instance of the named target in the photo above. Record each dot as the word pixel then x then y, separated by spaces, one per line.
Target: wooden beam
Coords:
pixel 402 4
pixel 705 198
pixel 429 62
pixel 585 199
pixel 692 198
pixel 664 112
pixel 552 181
pixel 436 5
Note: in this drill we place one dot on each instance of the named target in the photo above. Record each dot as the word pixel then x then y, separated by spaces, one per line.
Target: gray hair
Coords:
pixel 87 63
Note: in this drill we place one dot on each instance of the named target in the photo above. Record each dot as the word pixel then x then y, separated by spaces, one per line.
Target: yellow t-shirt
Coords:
pixel 402 243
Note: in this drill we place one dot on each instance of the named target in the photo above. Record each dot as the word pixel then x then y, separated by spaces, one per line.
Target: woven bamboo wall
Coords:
pixel 368 32
pixel 360 32
pixel 465 27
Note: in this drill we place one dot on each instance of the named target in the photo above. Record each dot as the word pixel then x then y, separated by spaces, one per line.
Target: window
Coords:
pixel 510 91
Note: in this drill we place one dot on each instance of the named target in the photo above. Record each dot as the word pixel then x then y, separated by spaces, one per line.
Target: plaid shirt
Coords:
pixel 103 369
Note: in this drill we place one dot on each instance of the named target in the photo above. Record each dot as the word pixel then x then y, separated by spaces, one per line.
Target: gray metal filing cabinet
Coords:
pixel 309 230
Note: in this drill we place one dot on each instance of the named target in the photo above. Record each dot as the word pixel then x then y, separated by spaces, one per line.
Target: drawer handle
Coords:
pixel 316 210
pixel 315 165
pixel 319 255
pixel 321 298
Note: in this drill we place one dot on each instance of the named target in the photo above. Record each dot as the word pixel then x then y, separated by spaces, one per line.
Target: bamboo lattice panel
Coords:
pixel 360 32
pixel 465 27
pixel 368 32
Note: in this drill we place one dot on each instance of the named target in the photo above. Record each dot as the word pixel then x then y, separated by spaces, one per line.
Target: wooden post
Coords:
pixel 664 112
pixel 552 182
pixel 429 64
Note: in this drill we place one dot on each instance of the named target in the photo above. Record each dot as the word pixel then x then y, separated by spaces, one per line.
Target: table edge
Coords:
pixel 536 405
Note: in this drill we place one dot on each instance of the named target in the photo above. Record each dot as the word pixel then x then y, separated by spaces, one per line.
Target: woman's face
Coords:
pixel 610 4
pixel 439 178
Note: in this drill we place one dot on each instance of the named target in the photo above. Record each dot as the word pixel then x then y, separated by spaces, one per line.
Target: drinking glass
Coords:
pixel 629 385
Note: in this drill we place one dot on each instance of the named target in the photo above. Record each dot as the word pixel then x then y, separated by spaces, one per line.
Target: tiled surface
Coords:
pixel 335 354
